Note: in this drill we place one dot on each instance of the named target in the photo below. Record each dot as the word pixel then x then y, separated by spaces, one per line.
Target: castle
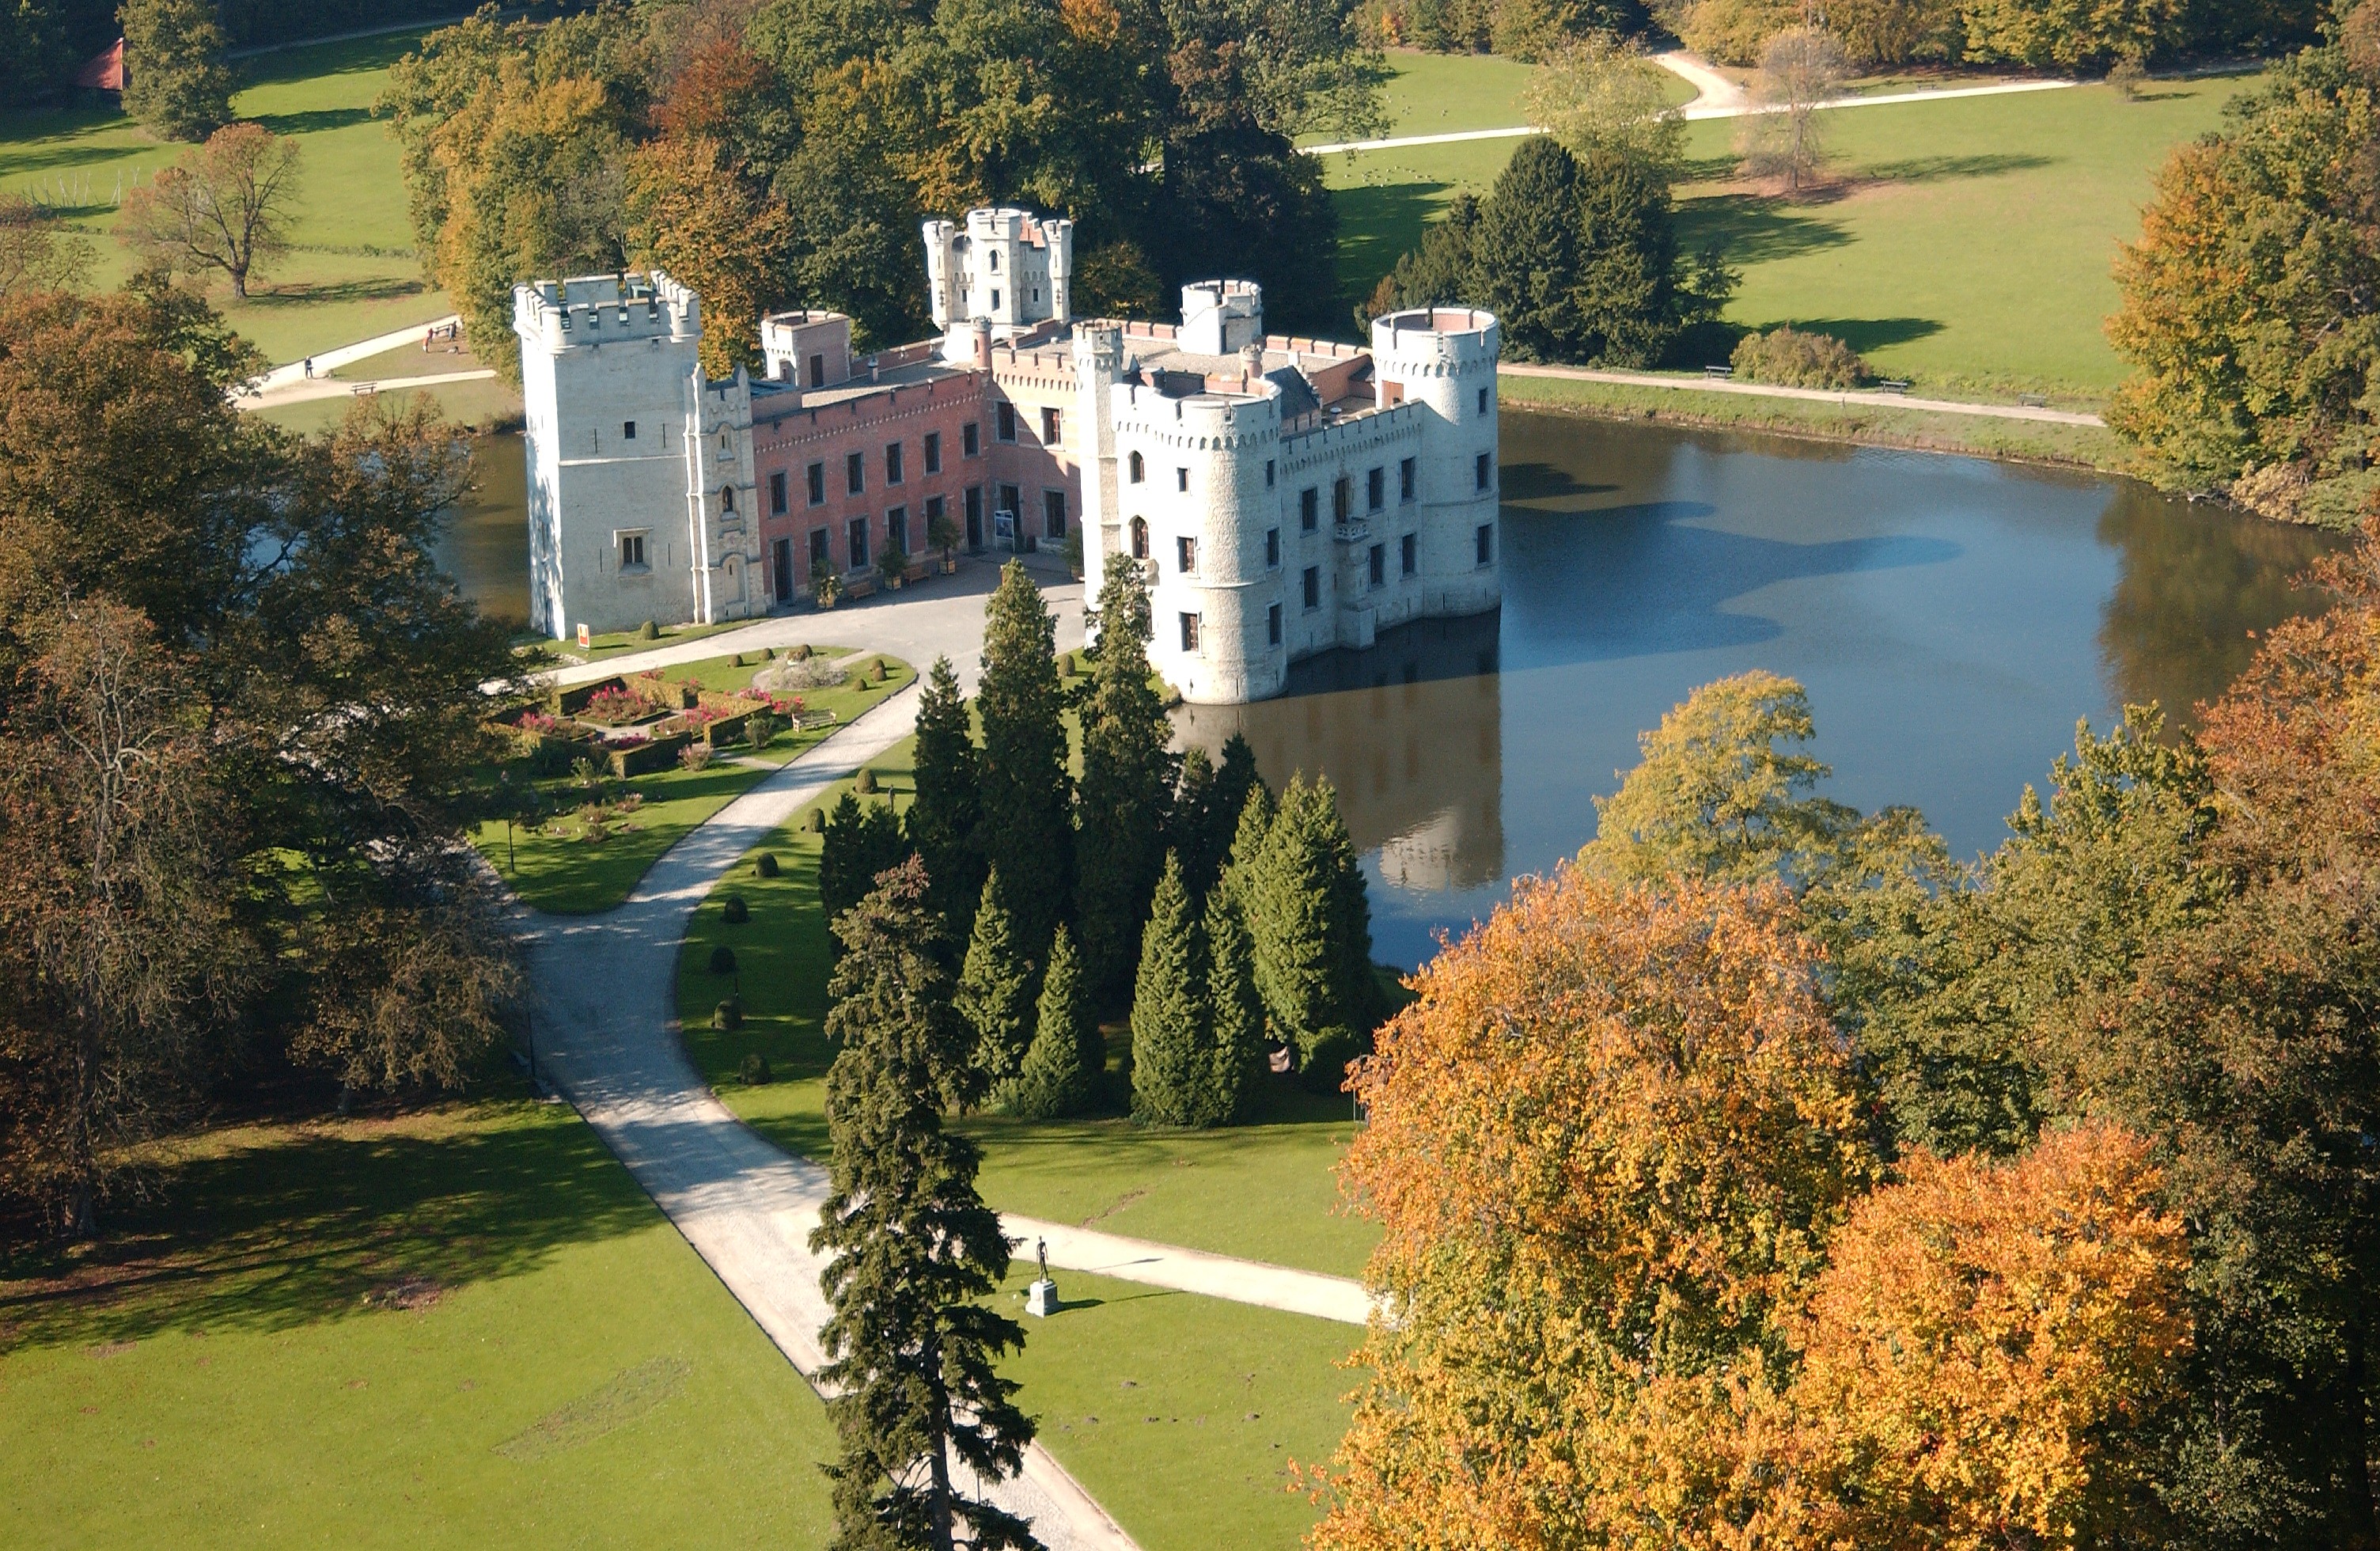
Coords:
pixel 1284 496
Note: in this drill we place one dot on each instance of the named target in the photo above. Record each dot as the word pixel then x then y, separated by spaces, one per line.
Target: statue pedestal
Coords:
pixel 1041 1299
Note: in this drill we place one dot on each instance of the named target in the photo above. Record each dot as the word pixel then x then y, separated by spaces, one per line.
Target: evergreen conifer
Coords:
pixel 1237 1010
pixel 942 819
pixel 1027 826
pixel 1192 822
pixel 861 840
pixel 1525 250
pixel 173 79
pixel 1172 1034
pixel 1250 829
pixel 1127 778
pixel 912 1345
pixel 995 992
pixel 1061 1070
pixel 1305 906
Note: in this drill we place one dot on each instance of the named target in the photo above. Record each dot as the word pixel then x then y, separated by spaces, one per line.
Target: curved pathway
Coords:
pixel 1820 395
pixel 606 1036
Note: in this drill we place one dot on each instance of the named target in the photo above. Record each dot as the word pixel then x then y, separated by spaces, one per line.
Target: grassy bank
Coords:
pixel 454 1328
pixel 2026 441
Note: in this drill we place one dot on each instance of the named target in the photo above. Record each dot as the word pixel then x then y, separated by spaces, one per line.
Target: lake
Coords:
pixel 1951 619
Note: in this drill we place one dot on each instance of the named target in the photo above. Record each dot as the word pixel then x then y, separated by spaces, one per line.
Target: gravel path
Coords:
pixel 1820 395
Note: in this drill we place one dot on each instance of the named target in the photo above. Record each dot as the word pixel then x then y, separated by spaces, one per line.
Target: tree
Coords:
pixel 1127 778
pixel 995 994
pixel 1600 99
pixel 1236 1009
pixel 912 1343
pixel 1064 1064
pixel 174 81
pixel 1173 1059
pixel 947 808
pixel 1801 68
pixel 1525 249
pixel 225 208
pixel 1607 1147
pixel 860 840
pixel 35 253
pixel 692 212
pixel 1440 272
pixel 1305 908
pixel 1028 822
pixel 2069 34
pixel 1990 1351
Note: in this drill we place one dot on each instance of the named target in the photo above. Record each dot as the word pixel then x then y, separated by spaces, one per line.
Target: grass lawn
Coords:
pixel 1263 1191
pixel 1967 247
pixel 557 869
pixel 1182 1414
pixel 352 273
pixel 485 405
pixel 463 1327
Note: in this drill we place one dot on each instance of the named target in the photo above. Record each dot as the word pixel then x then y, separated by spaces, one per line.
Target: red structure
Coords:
pixel 103 72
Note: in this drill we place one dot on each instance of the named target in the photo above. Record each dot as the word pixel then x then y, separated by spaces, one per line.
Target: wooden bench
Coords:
pixel 811 721
pixel 1718 371
pixel 859 584
pixel 1895 384
pixel 2033 401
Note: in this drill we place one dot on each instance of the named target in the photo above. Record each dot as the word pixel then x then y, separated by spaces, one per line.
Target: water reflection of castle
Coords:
pixel 1411 732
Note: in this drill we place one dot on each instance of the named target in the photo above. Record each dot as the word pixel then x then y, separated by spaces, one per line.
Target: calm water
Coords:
pixel 1951 619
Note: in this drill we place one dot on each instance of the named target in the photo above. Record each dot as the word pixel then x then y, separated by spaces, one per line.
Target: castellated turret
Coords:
pixel 1443 360
pixel 1009 266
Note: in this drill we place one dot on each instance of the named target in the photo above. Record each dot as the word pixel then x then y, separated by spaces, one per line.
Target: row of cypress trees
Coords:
pixel 1174 885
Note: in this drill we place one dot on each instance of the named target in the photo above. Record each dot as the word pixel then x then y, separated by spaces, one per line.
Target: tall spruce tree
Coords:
pixel 1243 862
pixel 995 992
pixel 1307 911
pixel 174 81
pixel 1236 1010
pixel 1190 824
pixel 912 1344
pixel 1525 250
pixel 1027 826
pixel 1064 1065
pixel 942 819
pixel 861 840
pixel 1127 779
pixel 1172 1032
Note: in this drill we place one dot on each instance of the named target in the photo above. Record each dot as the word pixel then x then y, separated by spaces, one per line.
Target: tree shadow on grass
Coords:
pixel 314 121
pixel 1379 224
pixel 316 1222
pixel 1935 169
pixel 386 287
pixel 1754 229
pixel 1871 334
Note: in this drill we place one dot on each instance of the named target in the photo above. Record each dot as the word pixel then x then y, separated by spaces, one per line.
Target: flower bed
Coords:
pixel 615 707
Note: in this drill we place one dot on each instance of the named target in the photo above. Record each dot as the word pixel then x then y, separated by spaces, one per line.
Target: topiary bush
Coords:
pixel 733 911
pixel 728 1016
pixel 866 785
pixel 766 865
pixel 801 653
pixel 1794 360
pixel 722 960
pixel 755 1070
pixel 818 820
pixel 649 631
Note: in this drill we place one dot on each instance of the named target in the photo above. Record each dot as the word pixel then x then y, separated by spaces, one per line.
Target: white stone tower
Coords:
pixel 1444 360
pixel 1006 265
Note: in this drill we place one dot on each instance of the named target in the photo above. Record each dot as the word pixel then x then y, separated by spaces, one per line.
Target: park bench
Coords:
pixel 1895 384
pixel 811 721
pixel 365 390
pixel 2033 401
pixel 859 584
pixel 1718 371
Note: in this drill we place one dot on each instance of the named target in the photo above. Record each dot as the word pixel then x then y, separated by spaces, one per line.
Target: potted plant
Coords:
pixel 943 534
pixel 827 591
pixel 893 567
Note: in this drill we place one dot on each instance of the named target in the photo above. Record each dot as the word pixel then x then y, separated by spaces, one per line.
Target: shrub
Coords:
pixel 1796 359
pixel 755 1073
pixel 818 820
pixel 767 865
pixel 728 1016
pixel 1326 1067
pixel 695 757
pixel 801 653
pixel 759 728
pixel 768 654
pixel 722 960
pixel 866 785
pixel 614 707
pixel 649 631
pixel 733 911
pixel 2128 77
pixel 799 672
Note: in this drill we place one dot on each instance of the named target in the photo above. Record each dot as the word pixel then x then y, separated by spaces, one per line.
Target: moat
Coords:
pixel 1952 618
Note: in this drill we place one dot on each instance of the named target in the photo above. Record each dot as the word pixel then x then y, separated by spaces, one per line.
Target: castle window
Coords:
pixel 1272 549
pixel 1138 466
pixel 1182 478
pixel 1053 514
pixel 777 493
pixel 1267 473
pixel 727 500
pixel 1006 427
pixel 995 300
pixel 933 451
pixel 822 560
pixel 1186 554
pixel 856 553
pixel 1049 427
pixel 1313 585
pixel 1379 565
pixel 893 464
pixel 1405 480
pixel 1273 626
pixel 627 431
pixel 1484 541
pixel 896 529
pixel 1309 508
pixel 995 260
pixel 855 472
pixel 1409 555
pixel 1342 499
pixel 1375 488
pixel 1140 538
pixel 1483 401
pixel 970 440
pixel 1482 471
pixel 1189 632
pixel 632 552
pixel 818 484
pixel 817 372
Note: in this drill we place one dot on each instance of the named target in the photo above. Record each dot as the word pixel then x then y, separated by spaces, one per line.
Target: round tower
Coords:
pixel 1202 461
pixel 1443 358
